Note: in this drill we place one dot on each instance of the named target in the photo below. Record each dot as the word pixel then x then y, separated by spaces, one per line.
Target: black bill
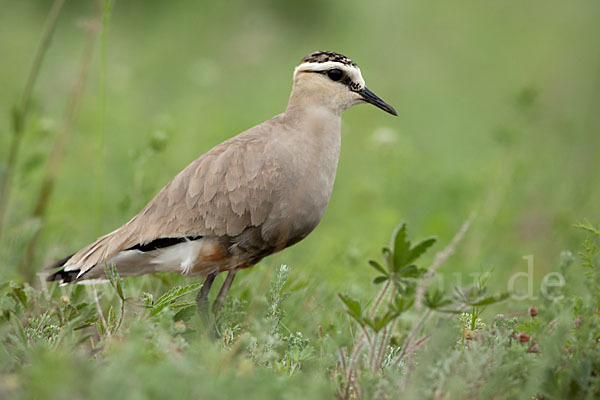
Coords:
pixel 372 98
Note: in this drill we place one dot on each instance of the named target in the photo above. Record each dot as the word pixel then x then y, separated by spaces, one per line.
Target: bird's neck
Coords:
pixel 306 99
pixel 312 114
pixel 314 124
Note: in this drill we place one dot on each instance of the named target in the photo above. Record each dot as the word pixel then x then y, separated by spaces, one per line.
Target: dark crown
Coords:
pixel 324 56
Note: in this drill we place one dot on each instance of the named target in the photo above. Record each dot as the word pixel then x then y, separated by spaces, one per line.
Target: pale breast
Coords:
pixel 308 160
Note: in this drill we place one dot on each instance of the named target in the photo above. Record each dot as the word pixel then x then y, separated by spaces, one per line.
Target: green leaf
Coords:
pixel 148 300
pixel 449 311
pixel 100 327
pixel 410 290
pixel 89 321
pixel 490 299
pixel 382 322
pixel 120 289
pixel 19 293
pixel 402 304
pixel 412 271
pixel 368 321
pixel 111 320
pixel 111 273
pixel 401 246
pixel 20 330
pixel 169 297
pixel 380 279
pixel 418 250
pixel 177 292
pixel 78 295
pixel 377 266
pixel 182 304
pixel 436 300
pixel 353 307
pixel 379 322
pixel 436 304
pixel 115 281
pixel 587 226
pixel 185 313
pixel 387 256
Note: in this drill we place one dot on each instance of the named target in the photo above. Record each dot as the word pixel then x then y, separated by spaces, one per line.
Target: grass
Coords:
pixel 498 117
pixel 83 342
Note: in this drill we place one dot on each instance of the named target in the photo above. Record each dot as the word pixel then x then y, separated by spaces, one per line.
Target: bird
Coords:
pixel 253 195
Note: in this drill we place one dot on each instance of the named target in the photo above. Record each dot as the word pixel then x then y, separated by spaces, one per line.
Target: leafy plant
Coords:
pixel 401 273
pixel 399 259
pixel 171 299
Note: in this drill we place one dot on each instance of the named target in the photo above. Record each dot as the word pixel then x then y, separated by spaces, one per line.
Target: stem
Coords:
pixel 440 258
pixel 99 309
pixel 510 315
pixel 352 365
pixel 382 345
pixel 386 341
pixel 343 361
pixel 56 155
pixel 22 109
pixel 372 341
pixel 411 336
pixel 373 349
pixel 379 298
pixel 387 334
pixel 365 334
pixel 106 9
pixel 122 313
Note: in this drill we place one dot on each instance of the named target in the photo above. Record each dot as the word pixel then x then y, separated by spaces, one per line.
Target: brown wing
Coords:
pixel 221 193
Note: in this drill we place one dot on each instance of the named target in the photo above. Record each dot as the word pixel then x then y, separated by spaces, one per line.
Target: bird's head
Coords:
pixel 334 81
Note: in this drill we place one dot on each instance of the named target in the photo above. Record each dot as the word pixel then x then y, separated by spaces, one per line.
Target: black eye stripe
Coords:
pixel 345 80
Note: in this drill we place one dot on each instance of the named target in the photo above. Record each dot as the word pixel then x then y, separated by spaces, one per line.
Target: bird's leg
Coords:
pixel 202 297
pixel 220 300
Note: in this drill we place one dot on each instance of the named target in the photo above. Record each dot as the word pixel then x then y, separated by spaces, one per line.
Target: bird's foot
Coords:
pixel 222 296
pixel 202 298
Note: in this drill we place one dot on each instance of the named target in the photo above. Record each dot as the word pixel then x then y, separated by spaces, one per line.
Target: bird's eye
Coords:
pixel 335 74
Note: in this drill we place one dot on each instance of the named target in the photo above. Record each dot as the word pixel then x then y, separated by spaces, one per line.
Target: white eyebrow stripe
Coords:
pixel 352 71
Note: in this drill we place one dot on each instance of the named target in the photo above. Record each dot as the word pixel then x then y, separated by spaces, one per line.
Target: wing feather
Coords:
pixel 223 192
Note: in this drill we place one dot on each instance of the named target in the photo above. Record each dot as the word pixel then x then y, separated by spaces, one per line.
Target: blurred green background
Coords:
pixel 498 115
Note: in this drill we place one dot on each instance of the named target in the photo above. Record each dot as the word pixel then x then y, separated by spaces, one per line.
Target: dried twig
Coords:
pixel 440 258
pixel 352 366
pixel 22 109
pixel 105 8
pixel 387 334
pixel 56 155
pixel 385 344
pixel 343 361
pixel 414 331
